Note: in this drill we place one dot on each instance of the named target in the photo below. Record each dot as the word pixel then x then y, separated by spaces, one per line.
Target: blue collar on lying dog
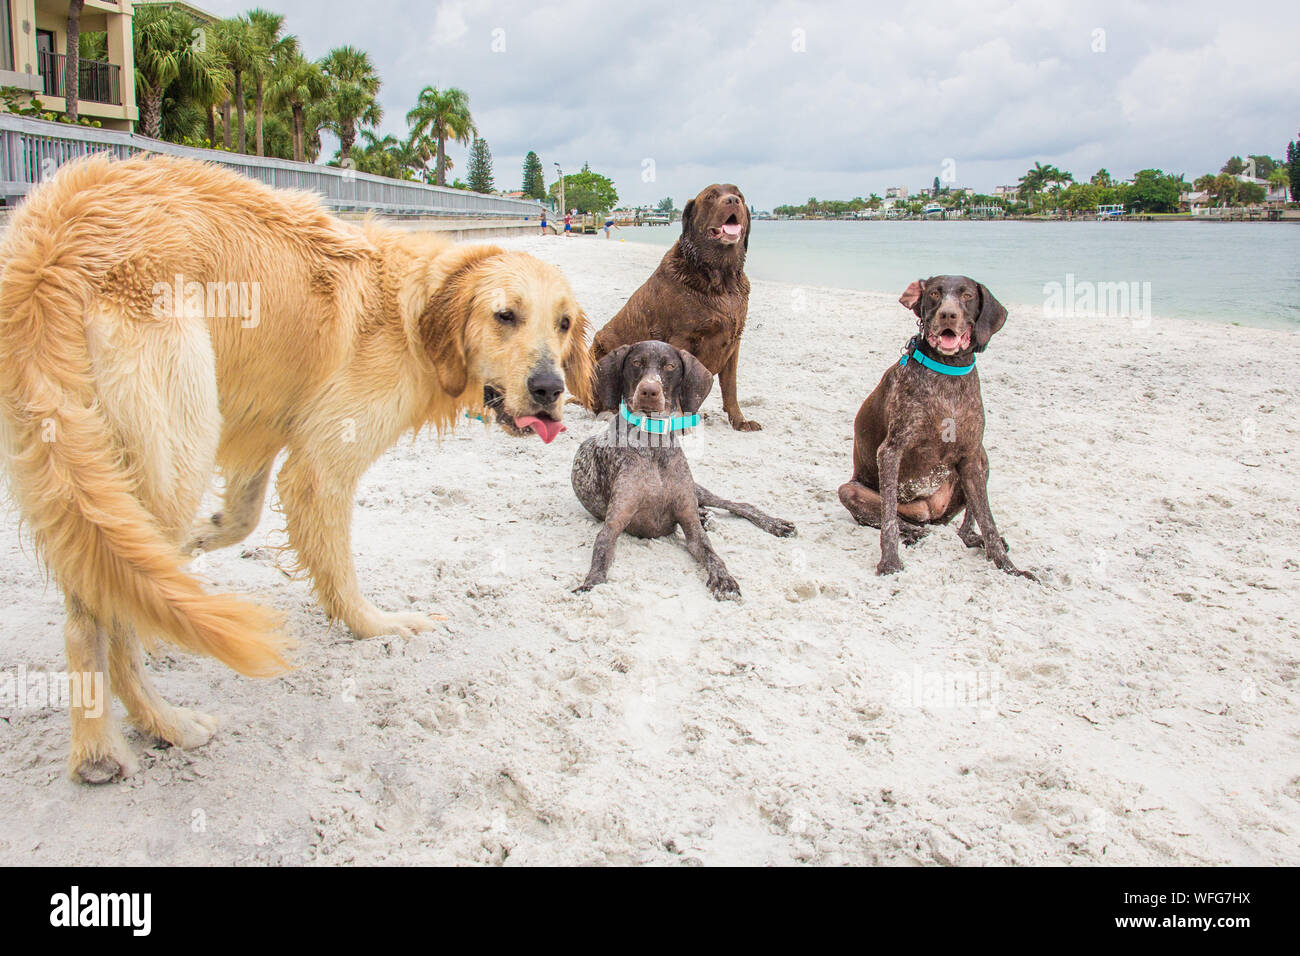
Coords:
pixel 657 426
pixel 937 366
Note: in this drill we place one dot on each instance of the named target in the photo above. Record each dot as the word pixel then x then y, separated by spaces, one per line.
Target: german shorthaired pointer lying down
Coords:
pixel 918 440
pixel 634 476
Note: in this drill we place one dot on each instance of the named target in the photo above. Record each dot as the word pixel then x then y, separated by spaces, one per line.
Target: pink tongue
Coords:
pixel 732 228
pixel 948 340
pixel 546 428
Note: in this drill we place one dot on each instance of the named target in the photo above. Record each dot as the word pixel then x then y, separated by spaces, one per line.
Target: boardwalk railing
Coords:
pixel 32 150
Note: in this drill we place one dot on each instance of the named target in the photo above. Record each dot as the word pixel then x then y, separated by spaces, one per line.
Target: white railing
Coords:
pixel 31 150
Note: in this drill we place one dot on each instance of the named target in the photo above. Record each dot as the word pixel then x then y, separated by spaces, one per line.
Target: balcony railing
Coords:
pixel 97 81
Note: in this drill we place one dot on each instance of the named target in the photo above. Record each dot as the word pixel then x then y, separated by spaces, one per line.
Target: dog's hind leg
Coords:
pixel 865 505
pixel 241 508
pixel 148 711
pixel 99 752
pixel 775 526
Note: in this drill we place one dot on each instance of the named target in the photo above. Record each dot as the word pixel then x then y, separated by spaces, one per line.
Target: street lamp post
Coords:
pixel 564 210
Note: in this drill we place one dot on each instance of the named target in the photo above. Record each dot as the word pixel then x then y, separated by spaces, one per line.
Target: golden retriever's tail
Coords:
pixel 68 471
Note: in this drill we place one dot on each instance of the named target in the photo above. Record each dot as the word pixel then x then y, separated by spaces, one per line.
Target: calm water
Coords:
pixel 1226 272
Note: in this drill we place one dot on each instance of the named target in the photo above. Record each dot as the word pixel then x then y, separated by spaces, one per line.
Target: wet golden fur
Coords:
pixel 115 411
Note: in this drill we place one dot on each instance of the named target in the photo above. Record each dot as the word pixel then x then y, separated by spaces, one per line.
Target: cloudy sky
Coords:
pixel 832 99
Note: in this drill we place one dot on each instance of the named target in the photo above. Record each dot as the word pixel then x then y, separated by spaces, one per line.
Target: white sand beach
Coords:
pixel 1137 707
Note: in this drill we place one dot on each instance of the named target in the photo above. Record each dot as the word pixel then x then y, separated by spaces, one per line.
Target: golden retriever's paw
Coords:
pixel 189 729
pixel 118 764
pixel 748 425
pixel 403 625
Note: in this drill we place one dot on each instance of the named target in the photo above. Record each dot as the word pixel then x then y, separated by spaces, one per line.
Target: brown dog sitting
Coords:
pixel 698 298
pixel 918 439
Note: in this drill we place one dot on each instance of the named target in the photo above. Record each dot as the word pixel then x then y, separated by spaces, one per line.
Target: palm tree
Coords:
pixel 235 37
pixel 350 101
pixel 267 47
pixel 444 114
pixel 297 84
pixel 72 60
pixel 165 54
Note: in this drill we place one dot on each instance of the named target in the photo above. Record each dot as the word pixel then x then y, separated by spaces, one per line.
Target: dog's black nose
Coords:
pixel 731 200
pixel 545 387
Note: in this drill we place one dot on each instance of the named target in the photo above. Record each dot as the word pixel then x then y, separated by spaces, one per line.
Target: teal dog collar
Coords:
pixel 657 426
pixel 938 366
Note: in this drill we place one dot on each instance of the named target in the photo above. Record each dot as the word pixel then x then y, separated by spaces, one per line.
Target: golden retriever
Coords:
pixel 160 318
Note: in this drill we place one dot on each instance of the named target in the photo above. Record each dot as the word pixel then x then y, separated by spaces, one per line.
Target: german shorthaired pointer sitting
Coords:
pixel 918 440
pixel 634 476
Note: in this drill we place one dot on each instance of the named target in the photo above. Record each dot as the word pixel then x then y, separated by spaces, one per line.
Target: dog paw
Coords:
pixel 105 768
pixel 706 519
pixel 748 425
pixel 910 534
pixel 889 566
pixel 780 528
pixel 189 729
pixel 402 625
pixel 589 583
pixel 724 587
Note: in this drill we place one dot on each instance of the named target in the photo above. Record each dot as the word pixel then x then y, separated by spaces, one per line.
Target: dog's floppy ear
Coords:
pixel 696 382
pixel 441 325
pixel 578 367
pixel 609 379
pixel 688 217
pixel 911 297
pixel 992 315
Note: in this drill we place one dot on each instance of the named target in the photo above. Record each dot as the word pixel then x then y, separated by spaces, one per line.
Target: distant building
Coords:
pixel 33 38
pixel 896 192
pixel 1271 193
pixel 1006 192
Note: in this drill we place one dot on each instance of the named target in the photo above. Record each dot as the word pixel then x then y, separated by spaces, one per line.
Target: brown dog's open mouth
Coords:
pixel 540 424
pixel 949 341
pixel 729 231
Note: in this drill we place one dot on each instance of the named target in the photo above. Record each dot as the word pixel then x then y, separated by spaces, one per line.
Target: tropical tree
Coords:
pixel 480 167
pixel 444 114
pixel 1293 168
pixel 665 206
pixel 587 191
pixel 351 98
pixel 234 37
pixel 534 186
pixel 72 60
pixel 166 57
pixel 298 83
pixel 1101 178
pixel 1279 179
pixel 1234 166
pixel 267 46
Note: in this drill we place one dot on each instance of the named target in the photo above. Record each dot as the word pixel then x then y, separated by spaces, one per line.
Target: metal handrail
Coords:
pixel 31 150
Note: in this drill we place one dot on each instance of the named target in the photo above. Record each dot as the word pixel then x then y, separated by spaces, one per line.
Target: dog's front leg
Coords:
pixel 317 500
pixel 888 460
pixel 721 584
pixel 730 403
pixel 974 473
pixel 617 515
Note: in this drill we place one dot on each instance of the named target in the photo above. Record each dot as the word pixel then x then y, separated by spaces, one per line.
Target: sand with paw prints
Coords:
pixel 1137 707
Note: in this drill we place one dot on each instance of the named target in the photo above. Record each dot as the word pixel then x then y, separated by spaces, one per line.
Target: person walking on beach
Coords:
pixel 568 224
pixel 609 223
pixel 543 222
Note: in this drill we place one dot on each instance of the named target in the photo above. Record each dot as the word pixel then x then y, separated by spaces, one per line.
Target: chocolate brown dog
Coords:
pixel 698 298
pixel 634 476
pixel 918 439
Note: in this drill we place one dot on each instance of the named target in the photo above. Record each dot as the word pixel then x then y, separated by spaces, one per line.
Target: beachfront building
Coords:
pixel 33 41
pixel 1272 194
pixel 1006 192
pixel 896 192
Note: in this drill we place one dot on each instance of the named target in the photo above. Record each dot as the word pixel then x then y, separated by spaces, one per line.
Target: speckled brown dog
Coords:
pixel 918 439
pixel 634 476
